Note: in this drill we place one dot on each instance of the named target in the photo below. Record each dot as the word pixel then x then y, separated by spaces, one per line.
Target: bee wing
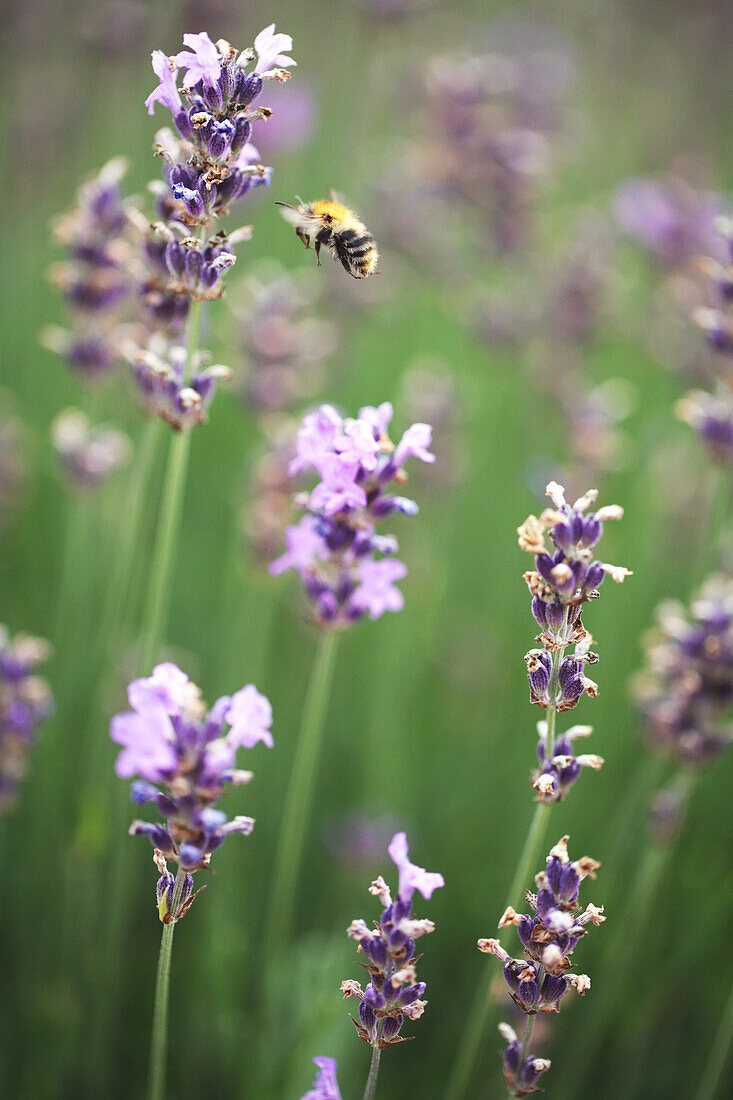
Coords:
pixel 290 213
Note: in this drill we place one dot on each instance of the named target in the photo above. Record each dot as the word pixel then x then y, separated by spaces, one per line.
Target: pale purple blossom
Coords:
pixel 202 60
pixel 268 45
pixel 325 1086
pixel 184 756
pixel 167 91
pixel 376 592
pixel 338 489
pixel 315 438
pixel 250 716
pixel 303 547
pixel 414 444
pixel 357 444
pixel 412 877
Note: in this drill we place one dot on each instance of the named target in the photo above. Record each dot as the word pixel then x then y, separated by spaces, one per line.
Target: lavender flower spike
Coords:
pixel 393 991
pixel 541 977
pixel 25 701
pixel 325 1086
pixel 347 568
pixel 185 757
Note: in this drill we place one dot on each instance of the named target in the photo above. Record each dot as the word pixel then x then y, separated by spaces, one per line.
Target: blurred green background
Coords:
pixel 429 725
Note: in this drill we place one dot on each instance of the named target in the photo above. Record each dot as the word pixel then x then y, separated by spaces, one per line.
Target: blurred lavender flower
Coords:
pixel 97 279
pixel 685 693
pixel 325 1086
pixel 493 124
pixel 268 499
pixel 393 991
pixel 88 455
pixel 171 742
pixel 711 414
pixel 667 216
pixel 538 981
pixel 284 345
pixel 25 701
pixel 159 370
pixel 333 547
pixel 356 839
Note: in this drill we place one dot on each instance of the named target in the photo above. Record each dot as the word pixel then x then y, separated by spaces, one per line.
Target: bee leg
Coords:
pixel 318 252
pixel 303 237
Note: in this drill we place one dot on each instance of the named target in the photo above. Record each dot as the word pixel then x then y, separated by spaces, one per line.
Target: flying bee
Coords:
pixel 336 228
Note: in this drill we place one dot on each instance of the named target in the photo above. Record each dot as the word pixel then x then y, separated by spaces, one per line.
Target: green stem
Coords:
pixel 371 1086
pixel 712 536
pixel 718 1054
pixel 159 1041
pixel 169 522
pixel 621 953
pixel 469 1047
pixel 299 800
pixel 527 1038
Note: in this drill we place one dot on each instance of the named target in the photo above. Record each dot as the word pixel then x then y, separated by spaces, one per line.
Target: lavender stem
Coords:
pixel 622 949
pixel 718 1054
pixel 468 1050
pixel 159 1041
pixel 371 1086
pixel 299 800
pixel 169 523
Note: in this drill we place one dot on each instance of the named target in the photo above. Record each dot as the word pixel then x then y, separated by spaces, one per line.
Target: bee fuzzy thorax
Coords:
pixel 337 229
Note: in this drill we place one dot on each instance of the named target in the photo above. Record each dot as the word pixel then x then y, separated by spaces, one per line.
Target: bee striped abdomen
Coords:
pixel 357 252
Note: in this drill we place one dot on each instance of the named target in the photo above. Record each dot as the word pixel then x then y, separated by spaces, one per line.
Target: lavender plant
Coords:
pixel 540 979
pixel 184 756
pixel 349 572
pixel 284 344
pixel 25 702
pixel 393 991
pixel 567 575
pixel 325 1086
pixel 88 455
pixel 711 414
pixel 97 279
pixel 209 164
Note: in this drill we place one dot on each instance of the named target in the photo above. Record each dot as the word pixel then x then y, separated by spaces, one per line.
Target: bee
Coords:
pixel 336 228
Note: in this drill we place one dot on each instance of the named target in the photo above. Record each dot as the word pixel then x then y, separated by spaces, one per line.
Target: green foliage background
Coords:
pixel 429 720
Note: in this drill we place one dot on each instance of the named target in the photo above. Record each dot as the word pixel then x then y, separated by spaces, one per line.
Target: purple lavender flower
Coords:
pixel 325 1086
pixel 184 758
pixel 711 414
pixel 560 770
pixel 520 1076
pixel 88 455
pixel 668 217
pixel 540 979
pixel 284 344
pixel 334 548
pixel 163 388
pixel 25 701
pixel 685 693
pixel 393 991
pixel 96 280
pixel 562 583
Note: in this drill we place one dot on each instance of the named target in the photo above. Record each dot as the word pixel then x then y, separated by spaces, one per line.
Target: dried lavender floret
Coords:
pixel 539 980
pixel 393 991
